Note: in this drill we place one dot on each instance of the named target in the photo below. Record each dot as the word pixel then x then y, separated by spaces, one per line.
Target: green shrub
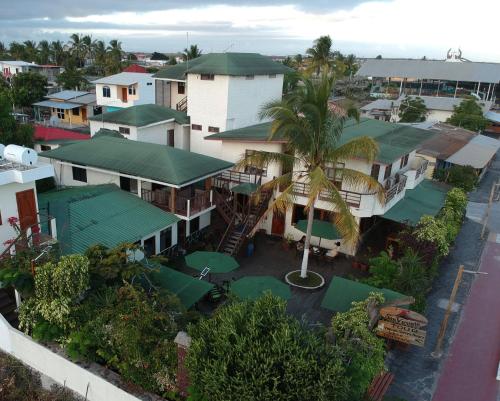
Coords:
pixel 432 229
pixel 463 177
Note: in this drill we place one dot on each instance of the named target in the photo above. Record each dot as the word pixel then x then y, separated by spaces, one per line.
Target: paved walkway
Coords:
pixel 469 373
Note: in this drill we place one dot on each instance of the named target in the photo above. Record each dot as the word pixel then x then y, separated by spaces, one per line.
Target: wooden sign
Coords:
pixel 402 325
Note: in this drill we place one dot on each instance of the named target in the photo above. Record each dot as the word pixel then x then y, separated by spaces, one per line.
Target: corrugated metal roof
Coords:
pixel 123 78
pixel 102 214
pixel 379 104
pixel 142 115
pixel 57 105
pixel 477 153
pixel 431 102
pixel 426 199
pixel 493 116
pixel 66 94
pixel 447 141
pixel 85 99
pixel 236 64
pixel 19 63
pixel 431 69
pixel 140 159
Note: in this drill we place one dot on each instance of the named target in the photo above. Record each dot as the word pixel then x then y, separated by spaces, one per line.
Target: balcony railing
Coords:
pixel 421 169
pixel 184 205
pixel 396 186
pixel 350 197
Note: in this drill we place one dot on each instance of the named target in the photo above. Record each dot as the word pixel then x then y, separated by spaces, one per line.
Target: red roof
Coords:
pixel 54 134
pixel 135 68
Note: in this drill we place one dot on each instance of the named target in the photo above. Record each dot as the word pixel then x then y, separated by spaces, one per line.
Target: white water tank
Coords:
pixel 20 154
pixel 2 148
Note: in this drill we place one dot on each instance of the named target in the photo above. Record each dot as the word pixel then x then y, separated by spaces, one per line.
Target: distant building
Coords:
pixel 51 72
pixel 125 89
pixel 47 138
pixel 10 68
pixel 135 68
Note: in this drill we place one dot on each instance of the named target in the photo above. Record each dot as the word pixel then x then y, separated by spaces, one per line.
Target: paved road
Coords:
pixel 469 373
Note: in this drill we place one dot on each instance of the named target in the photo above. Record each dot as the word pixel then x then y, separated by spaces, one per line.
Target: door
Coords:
pixel 171 138
pixel 26 207
pixel 84 113
pixel 124 95
pixel 278 226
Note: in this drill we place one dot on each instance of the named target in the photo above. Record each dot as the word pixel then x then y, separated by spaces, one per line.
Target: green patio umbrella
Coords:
pixel 320 229
pixel 252 287
pixel 217 262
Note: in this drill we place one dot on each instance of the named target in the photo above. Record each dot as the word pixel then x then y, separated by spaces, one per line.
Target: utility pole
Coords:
pixel 444 324
pixel 494 188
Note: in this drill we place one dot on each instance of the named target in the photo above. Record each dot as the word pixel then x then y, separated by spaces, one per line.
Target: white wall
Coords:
pixel 175 97
pixel 8 208
pixel 64 176
pixel 59 369
pixel 145 94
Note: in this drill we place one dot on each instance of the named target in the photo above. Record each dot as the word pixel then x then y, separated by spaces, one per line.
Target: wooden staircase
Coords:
pixel 8 308
pixel 182 105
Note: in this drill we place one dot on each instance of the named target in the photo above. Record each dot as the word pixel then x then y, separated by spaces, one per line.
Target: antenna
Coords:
pixel 187 51
pixel 228 48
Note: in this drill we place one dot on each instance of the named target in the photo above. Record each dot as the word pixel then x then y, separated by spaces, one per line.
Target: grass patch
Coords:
pixel 312 279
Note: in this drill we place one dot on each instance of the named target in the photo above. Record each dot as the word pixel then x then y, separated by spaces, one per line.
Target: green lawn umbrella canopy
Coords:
pixel 320 229
pixel 217 262
pixel 253 287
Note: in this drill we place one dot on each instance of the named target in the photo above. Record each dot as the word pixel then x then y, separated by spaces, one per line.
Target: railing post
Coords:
pixel 188 207
pixel 211 197
pixel 53 228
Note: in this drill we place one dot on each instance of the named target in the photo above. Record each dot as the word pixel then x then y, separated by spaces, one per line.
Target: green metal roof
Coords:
pixel 189 289
pixel 108 132
pixel 253 287
pixel 320 229
pixel 140 159
pixel 245 188
pixel 236 64
pixel 394 140
pixel 101 214
pixel 426 199
pixel 342 293
pixel 142 115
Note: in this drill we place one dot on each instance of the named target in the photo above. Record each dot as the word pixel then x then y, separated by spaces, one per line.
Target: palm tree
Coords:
pixel 351 65
pixel 17 50
pixel 99 52
pixel 321 53
pixel 57 53
pixel 43 52
pixel 313 132
pixel 77 48
pixel 192 53
pixel 87 45
pixel 30 50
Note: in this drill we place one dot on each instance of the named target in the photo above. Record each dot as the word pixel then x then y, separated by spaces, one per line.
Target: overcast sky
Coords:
pixel 393 28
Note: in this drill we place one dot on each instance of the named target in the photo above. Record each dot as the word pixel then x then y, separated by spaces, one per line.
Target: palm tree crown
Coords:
pixel 313 132
pixel 192 53
pixel 321 53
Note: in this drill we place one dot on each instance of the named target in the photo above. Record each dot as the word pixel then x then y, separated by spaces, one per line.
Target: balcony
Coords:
pixel 416 173
pixel 178 202
pixel 394 186
pixel 228 177
pixel 351 198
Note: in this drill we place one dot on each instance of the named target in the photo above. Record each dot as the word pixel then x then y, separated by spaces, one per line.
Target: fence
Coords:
pixel 64 372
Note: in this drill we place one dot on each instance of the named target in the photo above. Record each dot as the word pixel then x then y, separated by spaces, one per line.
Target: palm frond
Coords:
pixel 360 182
pixel 363 147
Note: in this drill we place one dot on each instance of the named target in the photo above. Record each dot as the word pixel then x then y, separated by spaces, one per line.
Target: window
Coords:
pixel 194 225
pixel 249 76
pixel 335 174
pixel 106 92
pixel 196 127
pixel 388 171
pixel 124 130
pixel 44 148
pixel 213 129
pixel 181 88
pixel 170 137
pixel 60 113
pixel 149 84
pixel 75 111
pixel 375 170
pixel 207 77
pixel 404 161
pixel 131 90
pixel 79 174
pixel 0 218
pixel 251 169
pixel 272 75
pixel 165 239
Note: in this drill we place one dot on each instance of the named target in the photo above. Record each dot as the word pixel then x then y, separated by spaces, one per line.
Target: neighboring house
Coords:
pixel 453 77
pixel 397 168
pixel 47 138
pixel 172 179
pixel 107 215
pixel 146 123
pixel 66 108
pixel 18 196
pixel 51 72
pixel 220 92
pixel 10 68
pixel 125 89
pixel 493 129
pixel 439 108
pixel 135 68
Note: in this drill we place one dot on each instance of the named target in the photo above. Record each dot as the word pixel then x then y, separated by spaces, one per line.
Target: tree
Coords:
pixel 254 350
pixel 43 52
pixel 464 177
pixel 28 88
pixel 313 133
pixel 30 51
pixel 298 60
pixel 321 53
pixel 172 61
pixel 71 78
pixel 351 65
pixel 192 53
pixel 363 352
pixel 10 131
pixel 469 115
pixel 379 57
pixel 57 53
pixel 412 110
pixel 158 56
pixel 17 50
pixel 77 48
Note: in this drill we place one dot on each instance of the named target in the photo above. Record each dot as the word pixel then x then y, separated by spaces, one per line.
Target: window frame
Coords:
pixel 132 90
pixel 387 171
pixel 207 77
pixel 124 130
pixel 171 138
pixel 404 161
pixel 250 169
pixel 196 127
pixel 61 114
pixel 372 172
pixel 79 174
pixel 106 91
pixel 179 86
pixel 75 111
pixel 214 130
pixel 250 77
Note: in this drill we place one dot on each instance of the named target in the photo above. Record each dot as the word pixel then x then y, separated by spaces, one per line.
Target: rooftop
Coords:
pixel 447 141
pixel 431 69
pixel 477 153
pixel 431 102
pixel 66 95
pixel 19 63
pixel 102 214
pixel 54 135
pixel 142 115
pixel 123 78
pixel 135 68
pixel 168 165
pixel 394 140
pixel 236 64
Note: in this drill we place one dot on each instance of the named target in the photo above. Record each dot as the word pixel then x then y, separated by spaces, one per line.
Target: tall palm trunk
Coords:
pixel 305 257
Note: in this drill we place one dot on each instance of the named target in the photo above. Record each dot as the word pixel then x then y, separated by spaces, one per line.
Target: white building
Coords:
pixel 146 123
pixel 175 180
pixel 220 91
pixel 125 89
pixel 18 196
pixel 9 68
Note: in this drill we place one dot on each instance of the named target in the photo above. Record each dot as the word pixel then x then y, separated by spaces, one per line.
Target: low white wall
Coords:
pixel 61 370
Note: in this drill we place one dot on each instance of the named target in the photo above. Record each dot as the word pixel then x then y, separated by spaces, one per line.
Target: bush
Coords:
pixel 463 177
pixel 434 230
pixel 254 350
